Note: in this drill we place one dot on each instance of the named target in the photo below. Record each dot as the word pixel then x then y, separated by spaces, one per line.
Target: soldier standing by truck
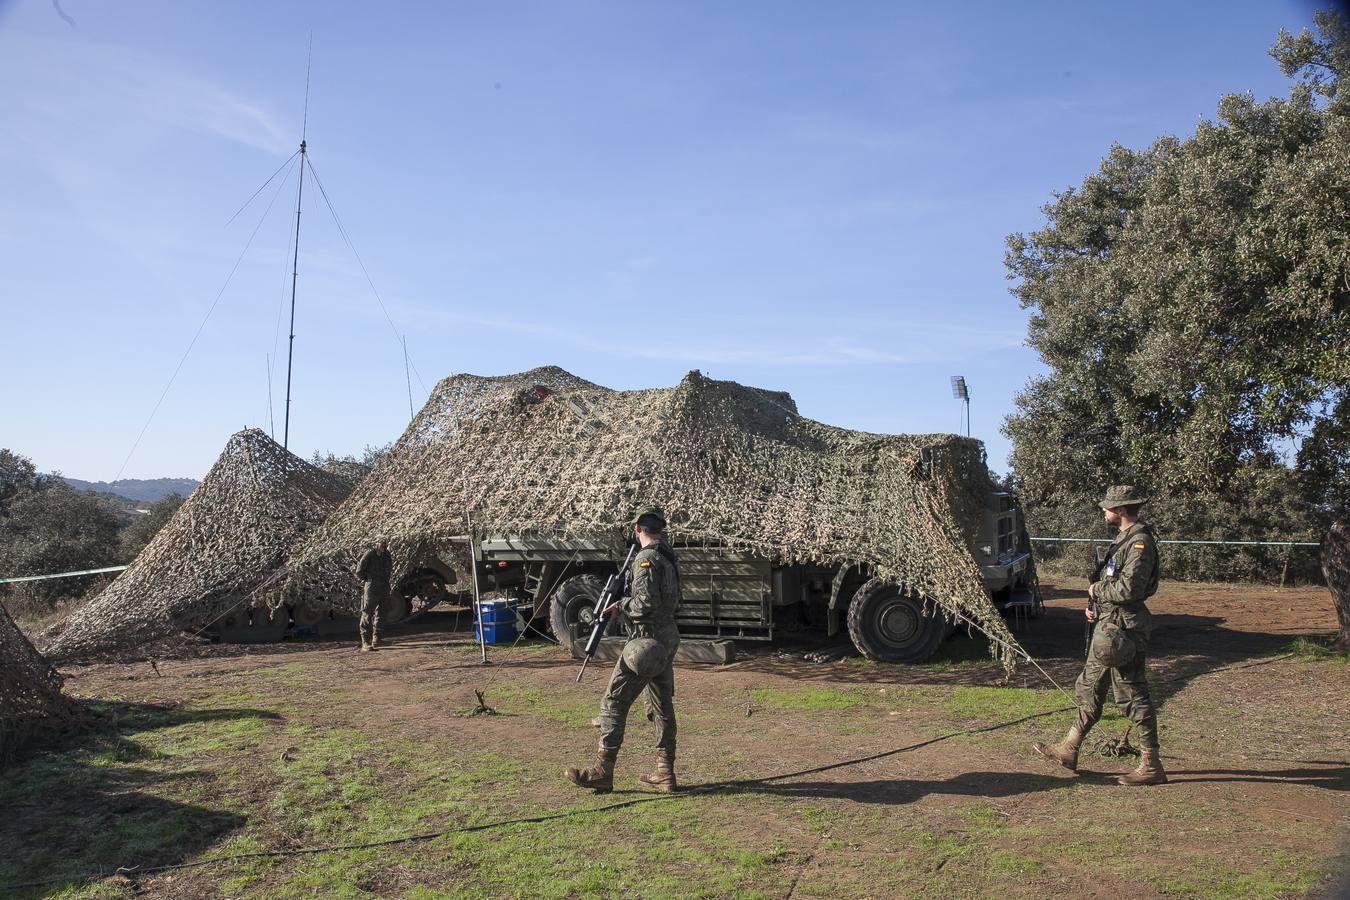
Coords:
pixel 375 569
pixel 647 662
pixel 1118 647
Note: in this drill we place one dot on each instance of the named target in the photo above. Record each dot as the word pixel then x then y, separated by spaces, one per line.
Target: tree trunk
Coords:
pixel 1336 568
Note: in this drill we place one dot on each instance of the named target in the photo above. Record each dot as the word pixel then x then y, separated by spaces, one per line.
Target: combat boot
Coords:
pixel 600 777
pixel 1150 770
pixel 1066 751
pixel 365 648
pixel 663 779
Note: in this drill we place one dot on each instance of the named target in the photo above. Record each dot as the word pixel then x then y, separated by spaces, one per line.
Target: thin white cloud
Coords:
pixel 833 352
pixel 76 86
pixel 697 350
pixel 252 124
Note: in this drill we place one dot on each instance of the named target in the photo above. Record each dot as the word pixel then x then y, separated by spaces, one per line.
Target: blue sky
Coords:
pixel 806 197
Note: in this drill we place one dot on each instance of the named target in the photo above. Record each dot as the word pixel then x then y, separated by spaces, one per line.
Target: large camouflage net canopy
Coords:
pixel 30 691
pixel 545 452
pixel 231 536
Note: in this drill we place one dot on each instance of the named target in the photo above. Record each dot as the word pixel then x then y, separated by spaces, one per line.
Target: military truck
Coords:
pixel 736 595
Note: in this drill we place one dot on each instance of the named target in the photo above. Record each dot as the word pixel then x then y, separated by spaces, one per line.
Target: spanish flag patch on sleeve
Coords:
pixel 647 563
pixel 1139 545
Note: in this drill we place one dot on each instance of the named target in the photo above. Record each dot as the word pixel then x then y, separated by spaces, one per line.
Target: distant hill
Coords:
pixel 142 490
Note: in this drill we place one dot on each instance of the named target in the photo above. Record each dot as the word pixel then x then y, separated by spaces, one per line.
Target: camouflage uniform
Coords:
pixel 1128 579
pixel 652 597
pixel 1118 652
pixel 375 569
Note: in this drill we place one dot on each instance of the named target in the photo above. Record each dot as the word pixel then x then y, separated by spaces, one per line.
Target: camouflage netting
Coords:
pixel 30 691
pixel 546 452
pixel 230 536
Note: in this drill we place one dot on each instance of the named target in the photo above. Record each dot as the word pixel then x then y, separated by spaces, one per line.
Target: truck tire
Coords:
pixel 889 626
pixel 574 604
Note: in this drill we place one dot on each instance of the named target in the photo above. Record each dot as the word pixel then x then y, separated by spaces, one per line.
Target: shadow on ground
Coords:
pixel 85 805
pixel 900 791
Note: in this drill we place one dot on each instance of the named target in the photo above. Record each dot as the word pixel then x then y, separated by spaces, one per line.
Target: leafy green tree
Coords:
pixel 142 529
pixel 350 468
pixel 17 475
pixel 52 529
pixel 1192 301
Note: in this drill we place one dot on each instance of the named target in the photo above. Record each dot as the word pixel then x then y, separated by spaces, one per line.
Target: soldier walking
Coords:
pixel 1118 649
pixel 649 603
pixel 375 568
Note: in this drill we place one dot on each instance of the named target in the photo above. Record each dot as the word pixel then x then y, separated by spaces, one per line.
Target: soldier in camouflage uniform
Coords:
pixel 375 569
pixel 650 601
pixel 1118 650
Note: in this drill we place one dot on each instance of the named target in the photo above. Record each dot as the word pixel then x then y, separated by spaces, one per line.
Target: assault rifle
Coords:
pixel 604 605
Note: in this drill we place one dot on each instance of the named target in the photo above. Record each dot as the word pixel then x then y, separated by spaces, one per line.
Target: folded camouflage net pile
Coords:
pixel 230 536
pixel 30 691
pixel 548 453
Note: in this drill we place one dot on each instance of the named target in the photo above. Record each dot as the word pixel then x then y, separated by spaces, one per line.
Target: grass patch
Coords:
pixel 811 698
pixel 1312 650
pixel 1002 703
pixel 1014 864
pixel 664 848
pixel 127 794
pixel 818 819
pixel 981 817
pixel 566 706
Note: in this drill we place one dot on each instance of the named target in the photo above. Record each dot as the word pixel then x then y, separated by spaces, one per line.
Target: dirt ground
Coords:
pixel 810 780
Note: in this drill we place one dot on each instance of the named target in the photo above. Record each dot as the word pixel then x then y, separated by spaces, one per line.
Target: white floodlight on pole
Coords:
pixel 961 392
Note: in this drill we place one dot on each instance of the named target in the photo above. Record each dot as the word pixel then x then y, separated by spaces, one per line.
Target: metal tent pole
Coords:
pixel 477 596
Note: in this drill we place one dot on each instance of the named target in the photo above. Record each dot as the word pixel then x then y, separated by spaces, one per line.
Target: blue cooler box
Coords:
pixel 499 622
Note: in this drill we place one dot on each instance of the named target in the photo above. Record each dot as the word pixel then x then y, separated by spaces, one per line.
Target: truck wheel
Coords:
pixel 889 626
pixel 574 604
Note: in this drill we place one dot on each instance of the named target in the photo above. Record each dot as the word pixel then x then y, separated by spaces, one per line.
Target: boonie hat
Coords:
pixel 1122 495
pixel 652 511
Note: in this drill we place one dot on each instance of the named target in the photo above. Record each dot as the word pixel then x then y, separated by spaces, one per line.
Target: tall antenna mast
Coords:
pixel 408 378
pixel 295 262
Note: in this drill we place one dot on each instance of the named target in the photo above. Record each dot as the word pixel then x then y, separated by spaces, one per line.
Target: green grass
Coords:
pixel 1014 865
pixel 223 774
pixel 1310 650
pixel 125 794
pixel 981 817
pixel 1221 881
pixel 564 705
pixel 999 704
pixel 818 819
pixel 664 848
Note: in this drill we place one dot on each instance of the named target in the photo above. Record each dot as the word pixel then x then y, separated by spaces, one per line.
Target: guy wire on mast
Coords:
pixel 295 260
